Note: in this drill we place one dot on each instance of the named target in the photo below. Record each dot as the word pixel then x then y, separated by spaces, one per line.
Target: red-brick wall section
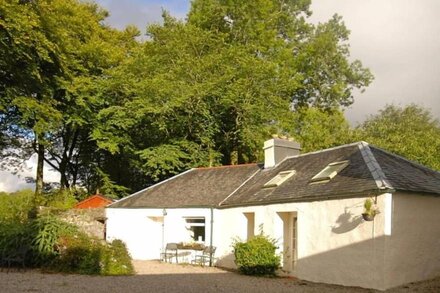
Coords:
pixel 94 201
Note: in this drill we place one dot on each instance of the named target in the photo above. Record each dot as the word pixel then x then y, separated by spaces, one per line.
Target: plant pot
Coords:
pixel 367 217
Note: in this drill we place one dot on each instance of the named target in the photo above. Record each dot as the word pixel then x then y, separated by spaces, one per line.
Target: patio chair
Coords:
pixel 170 252
pixel 207 256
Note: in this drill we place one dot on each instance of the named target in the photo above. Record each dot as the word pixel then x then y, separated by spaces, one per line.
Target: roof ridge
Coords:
pixel 374 166
pixel 151 186
pixel 238 188
pixel 416 164
pixel 320 151
pixel 226 166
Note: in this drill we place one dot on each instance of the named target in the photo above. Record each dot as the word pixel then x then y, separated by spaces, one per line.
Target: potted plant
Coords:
pixel 370 210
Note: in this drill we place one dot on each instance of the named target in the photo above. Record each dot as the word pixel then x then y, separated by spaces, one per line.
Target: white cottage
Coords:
pixel 311 203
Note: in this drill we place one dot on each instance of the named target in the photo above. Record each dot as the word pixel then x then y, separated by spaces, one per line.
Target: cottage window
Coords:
pixel 280 178
pixel 196 226
pixel 330 171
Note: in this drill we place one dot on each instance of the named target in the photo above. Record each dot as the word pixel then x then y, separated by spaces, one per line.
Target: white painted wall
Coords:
pixel 141 229
pixel 335 245
pixel 413 248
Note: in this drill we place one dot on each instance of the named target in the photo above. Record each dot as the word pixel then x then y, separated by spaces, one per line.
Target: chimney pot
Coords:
pixel 276 149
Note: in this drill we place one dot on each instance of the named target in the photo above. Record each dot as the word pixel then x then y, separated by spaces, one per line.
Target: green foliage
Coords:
pixel 82 255
pixel 78 254
pixel 47 231
pixel 316 129
pixel 53 53
pixel 59 199
pixel 59 246
pixel 370 208
pixel 108 112
pixel 13 236
pixel 15 207
pixel 210 90
pixel 116 259
pixel 409 131
pixel 257 256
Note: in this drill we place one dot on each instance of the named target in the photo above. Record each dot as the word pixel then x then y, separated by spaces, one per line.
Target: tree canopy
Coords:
pixel 409 131
pixel 111 112
pixel 211 89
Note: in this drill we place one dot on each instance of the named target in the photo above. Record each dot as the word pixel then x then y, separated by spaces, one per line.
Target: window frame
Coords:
pixel 279 179
pixel 329 172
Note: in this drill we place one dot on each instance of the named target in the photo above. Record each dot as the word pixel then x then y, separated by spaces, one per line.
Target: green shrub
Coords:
pixel 61 247
pixel 59 199
pixel 78 254
pixel 14 236
pixel 16 206
pixel 82 255
pixel 47 231
pixel 117 260
pixel 257 256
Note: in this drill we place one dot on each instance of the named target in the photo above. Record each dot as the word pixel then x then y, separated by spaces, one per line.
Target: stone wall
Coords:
pixel 90 221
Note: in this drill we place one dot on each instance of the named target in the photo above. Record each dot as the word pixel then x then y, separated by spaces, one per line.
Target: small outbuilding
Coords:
pixel 94 201
pixel 313 204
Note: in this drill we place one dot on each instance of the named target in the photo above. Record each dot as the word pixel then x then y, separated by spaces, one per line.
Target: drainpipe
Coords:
pixel 164 213
pixel 211 236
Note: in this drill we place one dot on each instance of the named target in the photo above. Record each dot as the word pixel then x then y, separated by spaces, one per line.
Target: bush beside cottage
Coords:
pixel 52 244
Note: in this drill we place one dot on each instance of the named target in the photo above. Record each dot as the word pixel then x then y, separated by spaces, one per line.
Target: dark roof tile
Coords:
pixel 193 188
pixel 370 170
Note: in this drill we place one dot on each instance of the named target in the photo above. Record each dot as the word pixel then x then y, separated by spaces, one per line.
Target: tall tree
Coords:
pixel 409 131
pixel 29 70
pixel 54 52
pixel 208 91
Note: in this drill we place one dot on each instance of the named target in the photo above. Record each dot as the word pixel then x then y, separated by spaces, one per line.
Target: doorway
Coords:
pixel 290 240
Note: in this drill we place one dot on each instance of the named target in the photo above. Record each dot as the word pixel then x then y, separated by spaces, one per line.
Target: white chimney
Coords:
pixel 276 149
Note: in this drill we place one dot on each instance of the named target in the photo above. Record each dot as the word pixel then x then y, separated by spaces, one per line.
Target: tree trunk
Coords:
pixel 32 214
pixel 39 176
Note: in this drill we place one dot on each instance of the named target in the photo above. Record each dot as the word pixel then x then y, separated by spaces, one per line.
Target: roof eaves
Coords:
pixel 373 166
pixel 149 187
pixel 362 193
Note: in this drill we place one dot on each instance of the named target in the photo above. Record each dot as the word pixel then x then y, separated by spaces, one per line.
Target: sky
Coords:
pixel 399 40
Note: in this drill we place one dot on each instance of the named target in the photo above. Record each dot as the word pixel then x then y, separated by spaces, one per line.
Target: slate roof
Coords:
pixel 370 171
pixel 405 175
pixel 200 187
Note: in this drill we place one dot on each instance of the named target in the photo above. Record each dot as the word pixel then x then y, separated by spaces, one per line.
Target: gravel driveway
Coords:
pixel 153 276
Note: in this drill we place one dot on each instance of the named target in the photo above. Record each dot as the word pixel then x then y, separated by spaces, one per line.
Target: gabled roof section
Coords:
pixel 199 187
pixel 96 200
pixel 371 170
pixel 355 178
pixel 405 175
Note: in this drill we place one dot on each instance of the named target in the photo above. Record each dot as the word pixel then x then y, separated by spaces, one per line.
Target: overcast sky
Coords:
pixel 399 40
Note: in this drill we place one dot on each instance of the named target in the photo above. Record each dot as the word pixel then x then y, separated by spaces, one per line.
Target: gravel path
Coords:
pixel 153 276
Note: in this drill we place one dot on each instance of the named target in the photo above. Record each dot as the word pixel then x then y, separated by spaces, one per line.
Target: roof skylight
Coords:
pixel 330 171
pixel 280 178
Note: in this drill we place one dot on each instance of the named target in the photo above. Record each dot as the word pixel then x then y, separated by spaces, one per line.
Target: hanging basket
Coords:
pixel 368 217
